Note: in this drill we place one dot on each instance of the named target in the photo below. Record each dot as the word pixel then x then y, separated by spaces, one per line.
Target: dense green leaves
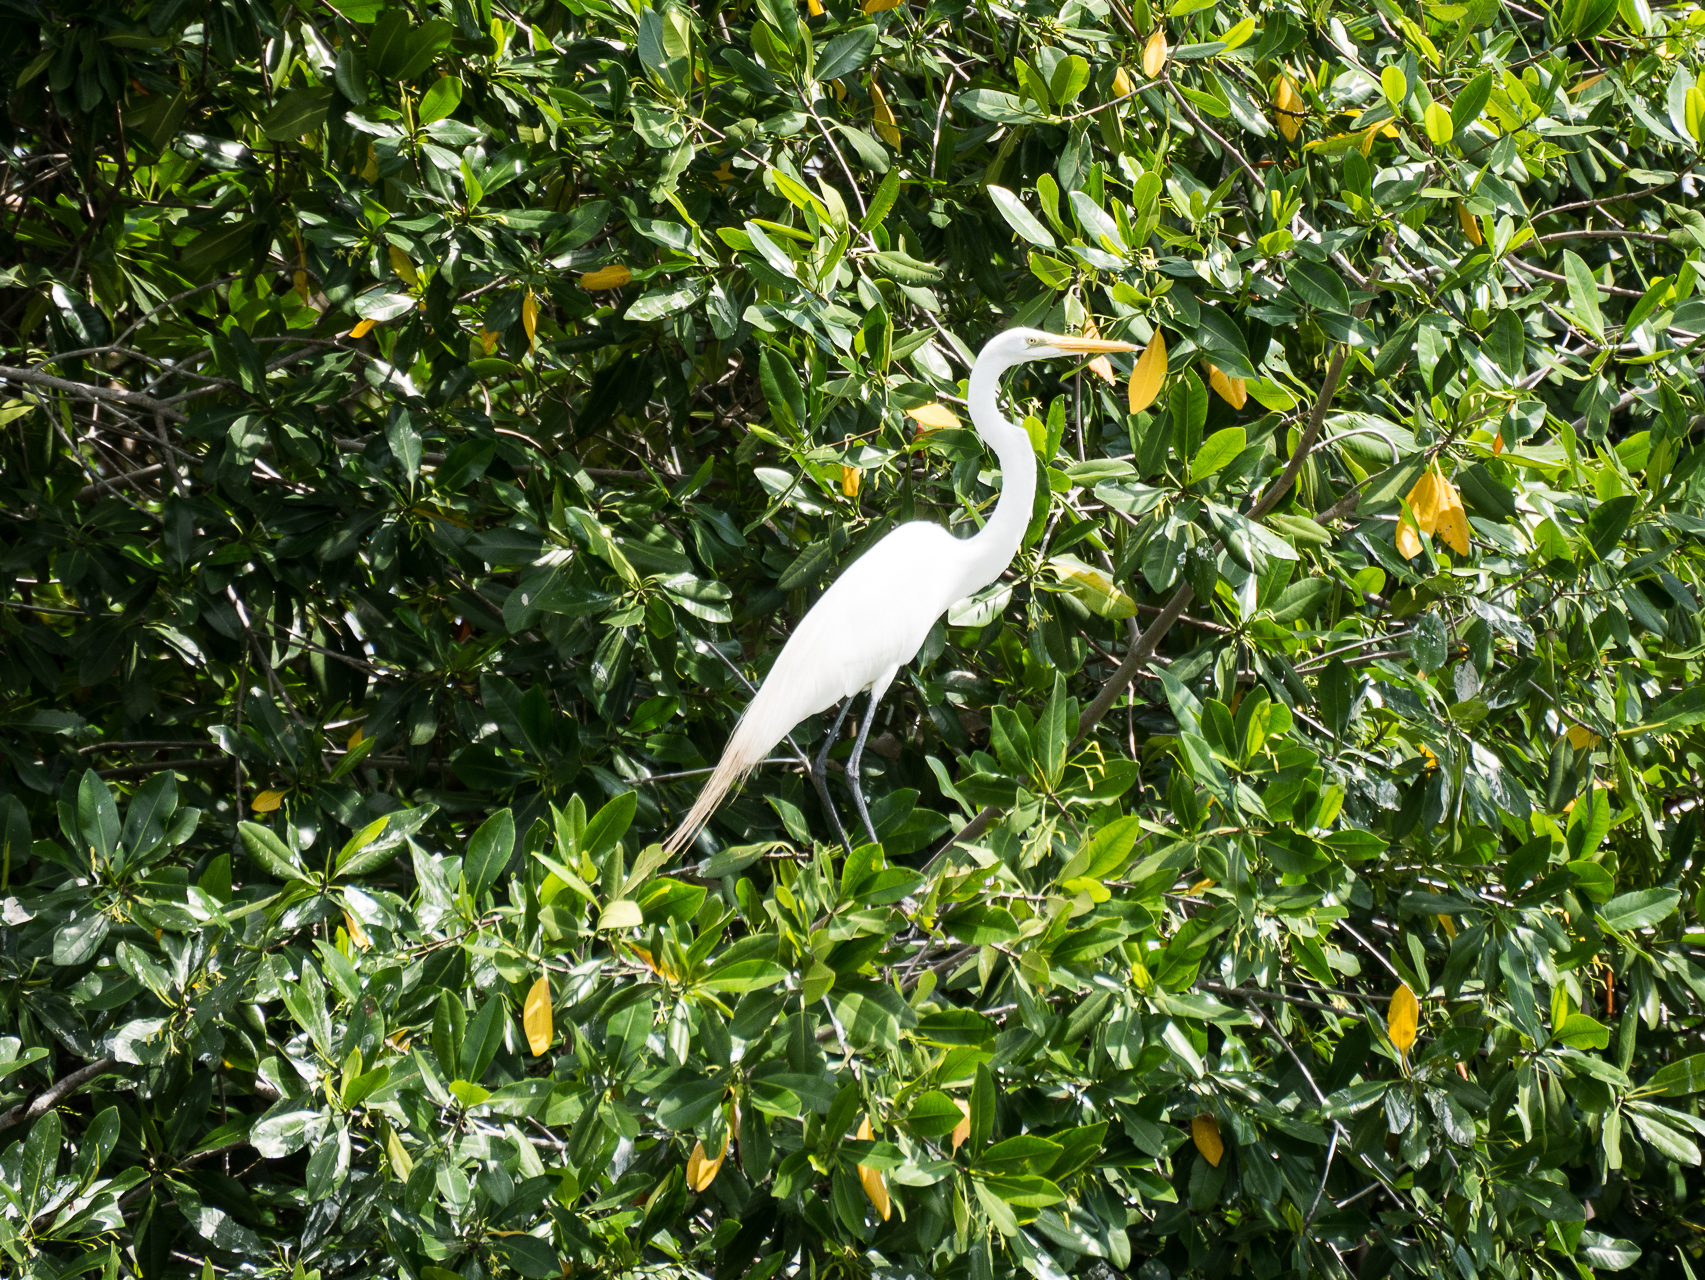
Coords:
pixel 422 420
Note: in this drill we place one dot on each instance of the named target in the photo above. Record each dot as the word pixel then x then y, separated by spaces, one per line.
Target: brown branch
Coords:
pixel 84 391
pixel 54 1094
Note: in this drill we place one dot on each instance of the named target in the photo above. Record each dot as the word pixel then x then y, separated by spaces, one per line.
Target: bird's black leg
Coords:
pixel 820 776
pixel 853 760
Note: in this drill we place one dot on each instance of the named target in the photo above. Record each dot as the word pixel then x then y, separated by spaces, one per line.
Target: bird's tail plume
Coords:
pixel 768 717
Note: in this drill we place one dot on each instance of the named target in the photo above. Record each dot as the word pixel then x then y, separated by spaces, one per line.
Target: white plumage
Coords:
pixel 878 612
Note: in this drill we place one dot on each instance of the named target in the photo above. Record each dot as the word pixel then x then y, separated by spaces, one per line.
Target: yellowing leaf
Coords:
pixel 402 1164
pixel 1148 373
pixel 1581 737
pixel 370 170
pixel 354 740
pixel 536 1016
pixel 403 267
pixel 937 417
pixel 1122 86
pixel 1437 123
pixel 1497 444
pixel 1290 105
pixel 886 127
pixel 961 1131
pixel 1408 544
pixel 611 277
pixel 813 8
pixel 362 328
pixel 1231 390
pixel 1693 112
pixel 701 1170
pixel 1449 926
pixel 1205 1132
pixel 1453 520
pixel 488 341
pixel 851 478
pixel 1402 1019
pixel 1154 54
pixel 871 1180
pixel 530 317
pixel 267 801
pixel 840 88
pixel 1101 366
pixel 1424 500
pixel 1470 226
pixel 357 934
pixel 880 6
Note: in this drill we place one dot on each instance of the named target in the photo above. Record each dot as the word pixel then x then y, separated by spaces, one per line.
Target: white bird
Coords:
pixel 875 617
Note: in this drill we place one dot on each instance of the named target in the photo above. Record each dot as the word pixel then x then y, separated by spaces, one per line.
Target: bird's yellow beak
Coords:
pixel 1089 346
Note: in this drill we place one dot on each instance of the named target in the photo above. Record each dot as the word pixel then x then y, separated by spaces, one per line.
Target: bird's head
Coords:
pixel 1019 346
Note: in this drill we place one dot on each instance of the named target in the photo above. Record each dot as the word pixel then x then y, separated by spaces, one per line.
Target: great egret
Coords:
pixel 877 614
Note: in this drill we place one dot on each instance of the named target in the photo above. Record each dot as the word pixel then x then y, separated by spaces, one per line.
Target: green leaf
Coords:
pixel 846 53
pixel 1019 218
pixel 489 850
pixel 299 112
pixel 1639 909
pixel 1217 452
pixel 440 100
pixel 1583 294
pixel 269 851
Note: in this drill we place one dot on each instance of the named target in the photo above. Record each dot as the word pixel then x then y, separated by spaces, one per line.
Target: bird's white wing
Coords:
pixel 872 619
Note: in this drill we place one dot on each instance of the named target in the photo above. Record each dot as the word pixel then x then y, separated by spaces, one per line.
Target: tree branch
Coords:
pixel 54 1094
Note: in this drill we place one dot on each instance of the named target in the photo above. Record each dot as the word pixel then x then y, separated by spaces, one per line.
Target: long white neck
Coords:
pixel 990 551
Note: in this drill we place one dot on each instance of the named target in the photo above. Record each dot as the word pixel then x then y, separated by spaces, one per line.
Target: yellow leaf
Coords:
pixel 701 1170
pixel 536 1016
pixel 886 127
pixel 1148 373
pixel 1205 1132
pixel 488 340
pixel 362 328
pixel 937 417
pixel 1588 83
pixel 1290 105
pixel 1122 86
pixel 813 8
pixel 530 317
pixel 354 740
pixel 1232 390
pixel 1581 737
pixel 357 934
pixel 1402 1019
pixel 1449 926
pixel 1498 444
pixel 1101 366
pixel 1426 751
pixel 401 1163
pixel 1154 54
pixel 961 1131
pixel 370 170
pixel 267 801
pixel 1453 520
pixel 403 267
pixel 1424 500
pixel 1408 543
pixel 871 1180
pixel 1470 227
pixel 880 6
pixel 611 277
pixel 851 478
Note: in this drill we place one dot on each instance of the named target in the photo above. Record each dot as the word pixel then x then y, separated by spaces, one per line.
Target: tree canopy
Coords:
pixel 421 421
